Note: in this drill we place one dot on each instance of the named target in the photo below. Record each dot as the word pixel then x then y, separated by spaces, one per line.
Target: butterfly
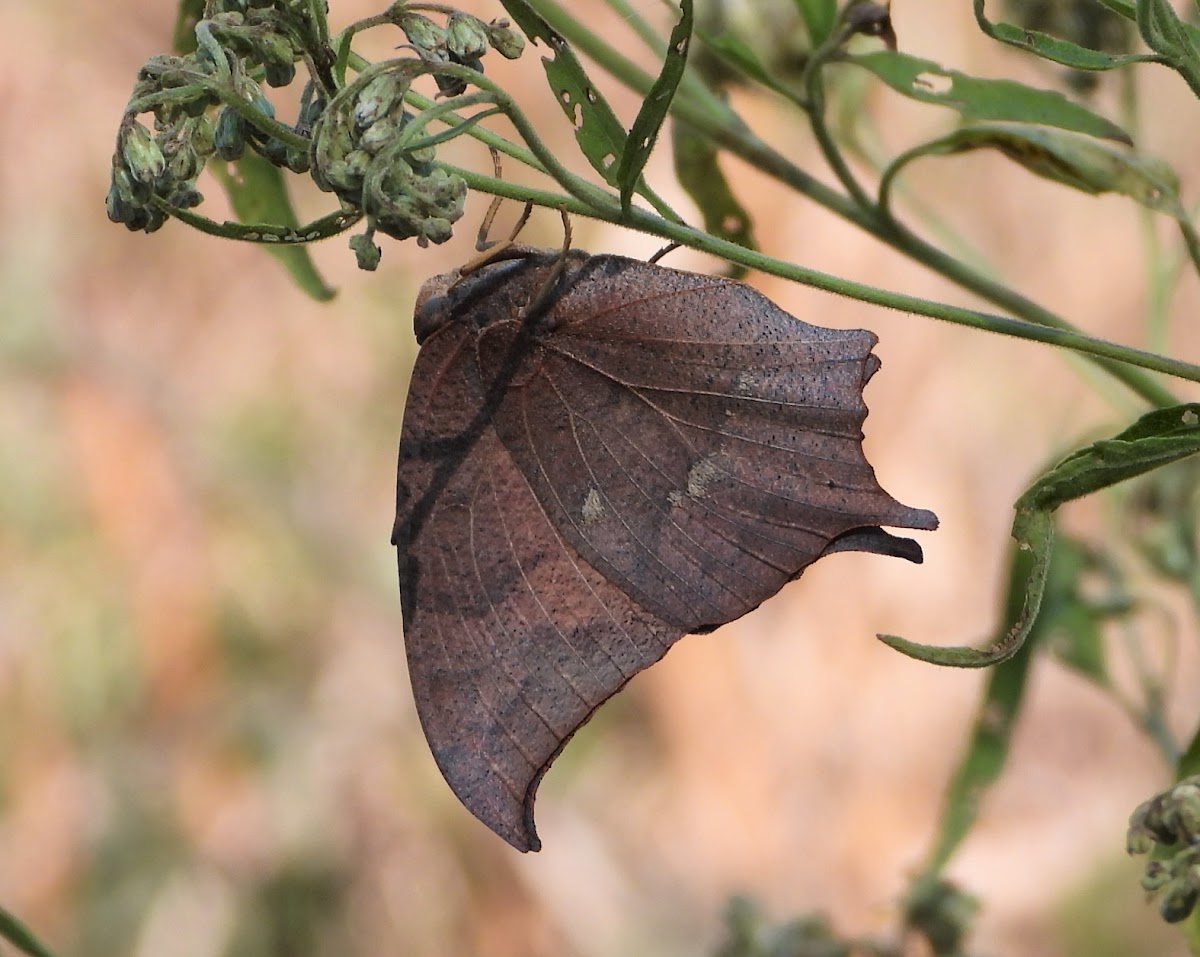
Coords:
pixel 600 455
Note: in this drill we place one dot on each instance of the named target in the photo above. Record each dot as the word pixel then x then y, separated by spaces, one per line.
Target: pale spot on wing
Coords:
pixel 593 506
pixel 700 476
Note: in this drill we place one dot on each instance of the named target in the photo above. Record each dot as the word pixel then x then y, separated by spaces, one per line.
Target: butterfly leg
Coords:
pixel 545 295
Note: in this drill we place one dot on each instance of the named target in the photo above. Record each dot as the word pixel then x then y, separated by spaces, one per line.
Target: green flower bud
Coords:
pixel 1185 798
pixel 379 135
pixel 466 36
pixel 118 207
pixel 198 133
pixel 229 136
pixel 133 191
pixel 1178 901
pixel 186 197
pixel 184 164
pixel 273 151
pixel 436 230
pixel 278 59
pixel 367 253
pixel 453 85
pixel 424 34
pixel 377 98
pixel 143 156
pixel 346 175
pixel 506 41
pixel 1157 875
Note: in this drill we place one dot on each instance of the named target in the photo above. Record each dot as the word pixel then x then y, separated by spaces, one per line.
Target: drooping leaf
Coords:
pixel 987 749
pixel 1056 49
pixel 644 132
pixel 593 466
pixel 1082 162
pixel 258 194
pixel 1156 439
pixel 980 99
pixel 700 174
pixel 1069 625
pixel 600 135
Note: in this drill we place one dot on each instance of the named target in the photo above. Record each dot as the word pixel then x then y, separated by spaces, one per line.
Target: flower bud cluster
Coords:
pixel 361 152
pixel 240 40
pixel 1170 820
pixel 463 40
pixel 165 165
pixel 357 140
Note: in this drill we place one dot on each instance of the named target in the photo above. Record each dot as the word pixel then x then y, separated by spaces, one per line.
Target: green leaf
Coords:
pixel 600 135
pixel 183 38
pixel 644 132
pixel 700 175
pixel 978 99
pixel 1157 438
pixel 258 195
pixel 1066 614
pixel 987 749
pixel 1081 162
pixel 20 936
pixel 1055 49
pixel 819 17
pixel 1166 34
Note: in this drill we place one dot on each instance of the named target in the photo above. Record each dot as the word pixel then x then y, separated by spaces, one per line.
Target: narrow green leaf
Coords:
pixel 1057 50
pixel 1082 162
pixel 184 35
pixel 646 127
pixel 1157 438
pixel 978 99
pixel 258 195
pixel 1064 610
pixel 700 174
pixel 819 17
pixel 987 749
pixel 600 135
pixel 21 936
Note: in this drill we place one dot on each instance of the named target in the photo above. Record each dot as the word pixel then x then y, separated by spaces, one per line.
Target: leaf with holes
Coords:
pixel 600 135
pixel 979 99
pixel 700 174
pixel 644 132
pixel 1082 162
pixel 1055 49
pixel 599 456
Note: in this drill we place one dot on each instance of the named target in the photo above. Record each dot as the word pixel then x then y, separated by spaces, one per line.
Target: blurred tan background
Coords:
pixel 207 742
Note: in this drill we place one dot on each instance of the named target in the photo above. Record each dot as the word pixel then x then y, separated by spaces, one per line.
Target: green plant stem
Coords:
pixel 713 118
pixel 601 205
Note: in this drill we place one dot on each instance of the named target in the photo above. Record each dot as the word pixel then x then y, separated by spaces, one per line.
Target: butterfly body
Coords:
pixel 600 455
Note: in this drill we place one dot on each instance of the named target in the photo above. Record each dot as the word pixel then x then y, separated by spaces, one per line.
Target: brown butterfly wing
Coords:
pixel 695 443
pixel 512 639
pixel 657 454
